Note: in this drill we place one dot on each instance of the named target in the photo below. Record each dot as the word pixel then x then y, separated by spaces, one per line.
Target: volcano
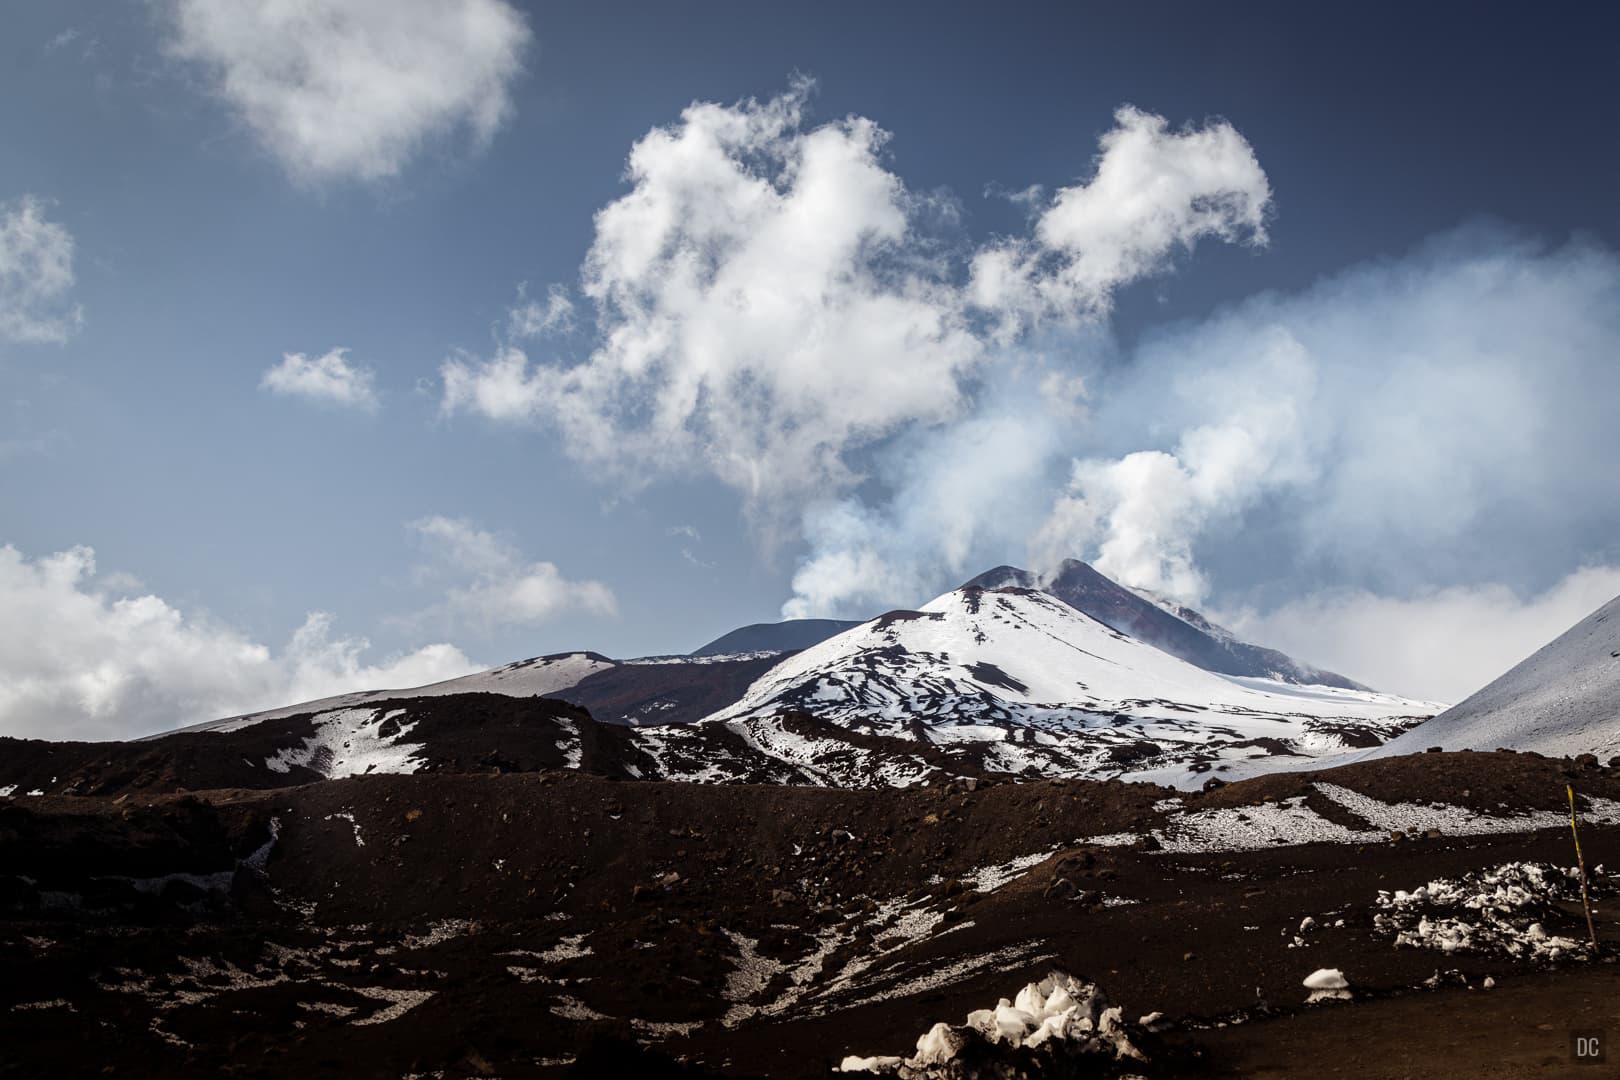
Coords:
pixel 1161 622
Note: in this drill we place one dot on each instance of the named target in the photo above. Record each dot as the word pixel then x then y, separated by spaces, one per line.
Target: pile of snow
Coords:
pixel 1059 1018
pixel 1562 701
pixel 1502 910
pixel 1327 984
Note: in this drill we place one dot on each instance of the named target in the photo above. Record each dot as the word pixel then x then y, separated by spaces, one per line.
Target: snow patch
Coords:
pixel 1291 821
pixel 990 878
pixel 571 1008
pixel 350 742
pixel 751 974
pixel 348 815
pixel 574 751
pixel 400 1002
pixel 440 932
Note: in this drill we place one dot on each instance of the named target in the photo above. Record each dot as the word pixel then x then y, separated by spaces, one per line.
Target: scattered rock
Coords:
pixel 1061 889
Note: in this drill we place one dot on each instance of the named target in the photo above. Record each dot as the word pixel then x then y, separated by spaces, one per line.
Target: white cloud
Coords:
pixel 1432 421
pixel 1438 645
pixel 771 300
pixel 960 498
pixel 329 378
pixel 761 304
pixel 63 39
pixel 354 89
pixel 1140 514
pixel 691 538
pixel 531 318
pixel 1442 419
pixel 497 585
pixel 36 275
pixel 78 660
pixel 1154 192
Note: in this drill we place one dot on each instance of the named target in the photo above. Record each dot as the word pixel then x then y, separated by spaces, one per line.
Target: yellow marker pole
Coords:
pixel 1586 902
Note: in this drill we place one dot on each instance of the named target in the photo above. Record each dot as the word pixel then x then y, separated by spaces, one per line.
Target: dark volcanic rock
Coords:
pixel 672 692
pixel 789 635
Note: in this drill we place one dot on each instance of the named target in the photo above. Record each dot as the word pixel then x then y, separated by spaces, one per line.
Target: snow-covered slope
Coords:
pixel 1163 623
pixel 542 676
pixel 1562 701
pixel 1037 687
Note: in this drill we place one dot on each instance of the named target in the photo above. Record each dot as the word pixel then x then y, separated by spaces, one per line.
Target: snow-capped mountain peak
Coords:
pixel 1159 621
pixel 1045 688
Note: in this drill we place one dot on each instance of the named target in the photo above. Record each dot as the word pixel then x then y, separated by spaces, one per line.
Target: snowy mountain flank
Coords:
pixel 1078 678
pixel 1161 622
pixel 648 690
pixel 1035 687
pixel 979 683
pixel 1562 701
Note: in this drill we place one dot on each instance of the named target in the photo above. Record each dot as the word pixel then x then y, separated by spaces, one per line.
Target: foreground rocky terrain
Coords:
pixel 509 915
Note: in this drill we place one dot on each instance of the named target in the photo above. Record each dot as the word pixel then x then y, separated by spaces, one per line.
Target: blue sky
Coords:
pixel 1341 376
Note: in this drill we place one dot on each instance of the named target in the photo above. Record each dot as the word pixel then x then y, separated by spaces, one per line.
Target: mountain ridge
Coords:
pixel 1158 621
